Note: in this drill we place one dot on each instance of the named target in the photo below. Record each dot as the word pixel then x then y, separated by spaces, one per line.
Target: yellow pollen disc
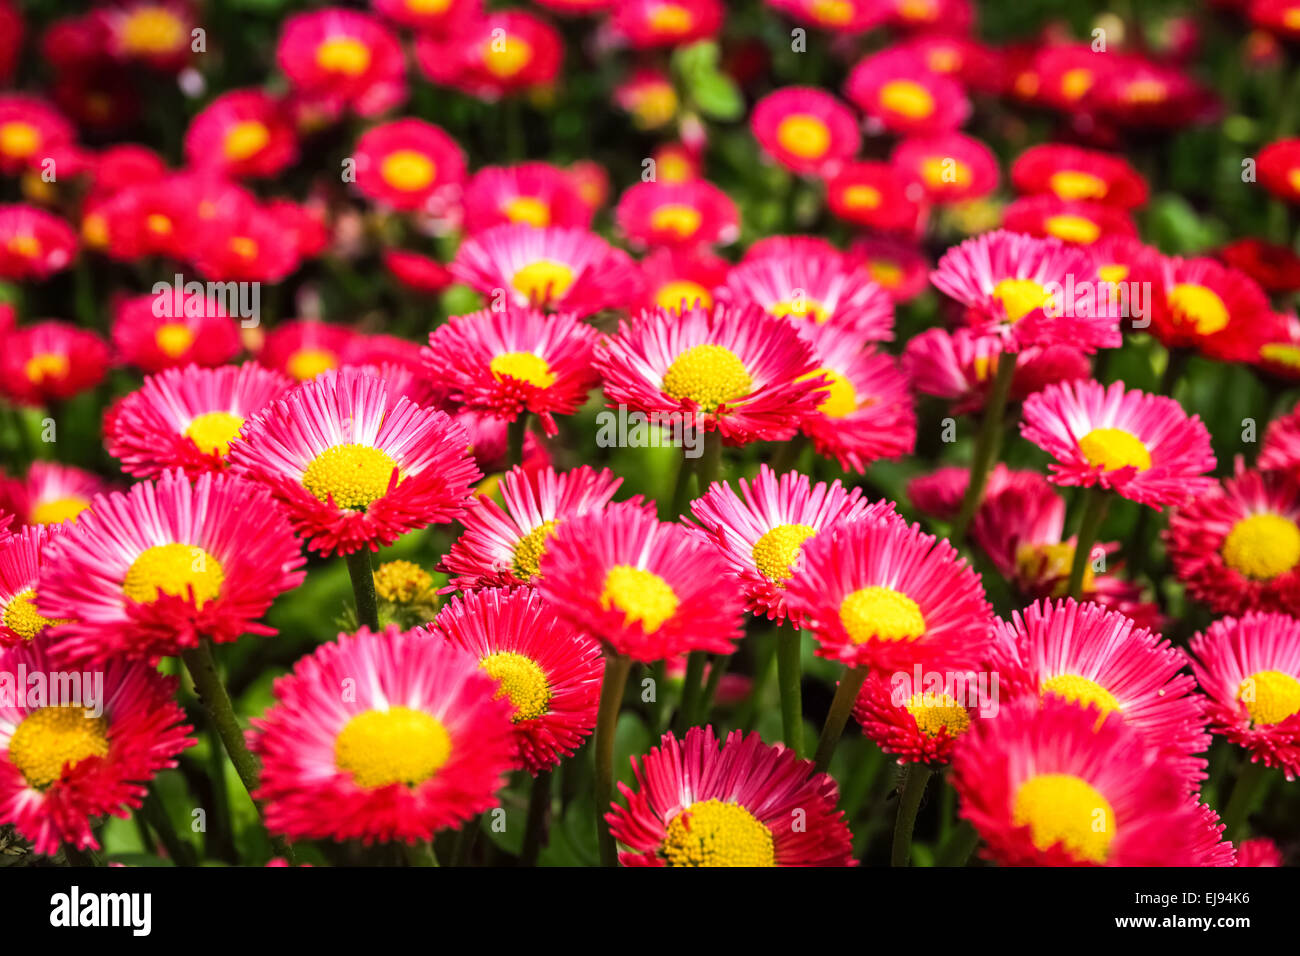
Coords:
pixel 346 55
pixel 1145 92
pixel 353 475
pixel 429 7
pixel 174 569
pixel 543 280
pixel 1270 696
pixel 1199 307
pixel 19 139
pixel 944 61
pixel 522 681
pixel 1020 297
pixel 917 11
pixel 245 139
pixel 1293 178
pixel 640 594
pixel 941 171
pixel 243 247
pixel 1114 448
pixel 1075 83
pixel 398 745
pixel 53 740
pixel 881 614
pixel 402 582
pixel 799 309
pixel 504 60
pixel 933 714
pixel 708 375
pixel 527 563
pixel 1113 273
pixel 671 18
pixel 907 97
pixel 213 432
pixel 528 209
pixel 1072 184
pixel 29 247
pixel 1082 691
pixel 984 367
pixel 1262 546
pixel 21 617
pixel 407 170
pixel 655 105
pixel 308 363
pixel 158 224
pixel 1062 808
pixel 1077 229
pixel 1282 353
pixel 524 367
pixel 885 273
pixel 59 510
pixel 841 399
pixel 1291 18
pixel 682 220
pixel 153 30
pixel 672 295
pixel 861 196
pixel 1052 561
pixel 713 833
pixel 174 339
pixel 777 550
pixel 46 366
pixel 831 13
pixel 805 136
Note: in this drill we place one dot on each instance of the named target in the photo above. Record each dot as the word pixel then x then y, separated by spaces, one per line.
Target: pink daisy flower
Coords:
pixel 427 16
pixel 679 278
pixel 22 556
pixel 1072 173
pixel 354 468
pixel 549 672
pixel 1281 448
pixel 840 16
pixel 951 167
pixel 51 361
pixel 1143 447
pixel 30 129
pixel 878 197
pixel 676 214
pixel 916 723
pixel 901 95
pixel 1072 221
pixel 242 133
pixel 537 194
pixel 898 267
pixel 341 58
pixel 493 55
pixel 50 493
pixel 645 24
pixel 34 244
pixel 422 744
pixel 406 163
pixel 154 570
pixel 1259 851
pixel 805 129
pixel 154 332
pixel 304 349
pixel 1218 310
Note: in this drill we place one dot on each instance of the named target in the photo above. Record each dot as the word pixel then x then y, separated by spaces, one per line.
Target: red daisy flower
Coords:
pixel 1204 305
pixel 1275 267
pixel 428 16
pixel 902 95
pixel 1073 174
pixel 680 278
pixel 916 724
pixel 156 33
pixel 493 55
pixel 805 129
pixel 538 194
pixel 30 129
pixel 33 243
pixel 241 133
pixel 51 361
pixel 841 16
pixel 878 196
pixel 655 23
pixel 417 272
pixel 950 167
pixel 304 349
pixel 1073 221
pixel 900 268
pixel 22 556
pixel 343 58
pixel 170 330
pixel 676 214
pixel 651 98
pixel 405 163
pixel 50 493
pixel 248 245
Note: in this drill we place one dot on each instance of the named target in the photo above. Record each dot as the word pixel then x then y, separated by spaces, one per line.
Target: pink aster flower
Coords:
pixel 22 556
pixel 34 244
pixel 538 194
pixel 680 278
pixel 676 214
pixel 1072 221
pixel 493 55
pixel 902 95
pixel 51 361
pixel 304 349
pixel 805 129
pixel 242 133
pixel 646 24
pixel 50 493
pixel 167 330
pixel 951 168
pixel 406 163
pixel 342 58
pixel 916 723
pixel 898 267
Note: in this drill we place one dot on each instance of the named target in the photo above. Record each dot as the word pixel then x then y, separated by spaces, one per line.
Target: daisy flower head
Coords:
pixel 153 570
pixel 493 55
pixel 552 268
pixel 420 743
pixel 1074 174
pixel 694 803
pixel 840 16
pixel 647 24
pixel 1056 784
pixel 914 722
pixel 30 128
pixel 248 245
pixel 1216 309
pixel 950 167
pixel 34 244
pixel 942 16
pixel 650 97
pixel 303 349
pixel 1137 93
pixel 1281 448
pixel 1143 447
pixel 51 361
pixel 1016 288
pixel 646 589
pixel 538 194
pixel 1275 266
pixel 1258 851
pixel 805 129
pixel 1278 169
pixel 173 328
pixel 882 594
pixel 681 278
pixel 187 418
pixel 1249 667
pixel 156 33
pixel 898 267
pixel 901 95
pixel 22 556
pixel 406 163
pixel 731 369
pixel 343 58
pixel 504 546
pixel 353 468
pixel 1097 658
pixel 761 532
pixel 417 272
pixel 50 493
pixel 877 196
pixel 1073 221
pixel 242 133
pixel 66 764
pixel 427 16
pixel 550 672
pixel 676 214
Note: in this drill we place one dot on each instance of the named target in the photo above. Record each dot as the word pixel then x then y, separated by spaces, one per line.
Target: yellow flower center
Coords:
pixel 308 363
pixel 528 209
pixel 885 273
pixel 53 740
pixel 352 475
pixel 713 833
pixel 428 6
pixel 522 681
pixel 407 170
pixel 917 11
pixel 777 550
pixel 244 247
pixel 343 54
pixel 1077 82
pixel 1020 297
pixel 174 339
pixel 877 613
pixel 59 510
pixel 245 139
pixel 841 399
pixel 398 745
pixel 1270 696
pixel 1262 546
pixel 506 59
pixel 543 280
pixel 1199 307
pixel 933 714
pixel 940 171
pixel 672 295
pixel 176 569
pixel 799 309
pixel 671 18
pixel 1077 229
pixel 640 594
pixel 153 30
pixel 1146 92
pixel 655 105
pixel 1281 352
pixel 1113 273
pixel 708 375
pixel 1082 691
pixel 213 432
pixel 862 196
pixel 1072 184
pixel 1293 178
pixel 1053 561
pixel 907 97
pixel 21 617
pixel 676 218
pixel 402 582
pixel 46 366
pixel 524 367
pixel 29 247
pixel 527 563
pixel 1114 448
pixel 1291 18
pixel 805 136
pixel 19 139
pixel 831 13
pixel 1062 808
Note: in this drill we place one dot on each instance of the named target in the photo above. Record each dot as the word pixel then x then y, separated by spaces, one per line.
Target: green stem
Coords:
pixel 515 433
pixel 221 713
pixel 611 699
pixel 181 852
pixel 1095 501
pixel 659 674
pixel 420 854
pixel 539 819
pixel 687 714
pixel 986 446
pixel 363 588
pixel 845 697
pixel 681 489
pixel 787 455
pixel 915 777
pixel 717 670
pixel 1245 795
pixel 465 840
pixel 961 844
pixel 1175 365
pixel 75 857
pixel 789 678
pixel 710 463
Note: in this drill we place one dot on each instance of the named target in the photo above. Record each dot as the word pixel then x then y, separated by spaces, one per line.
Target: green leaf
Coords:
pixel 716 96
